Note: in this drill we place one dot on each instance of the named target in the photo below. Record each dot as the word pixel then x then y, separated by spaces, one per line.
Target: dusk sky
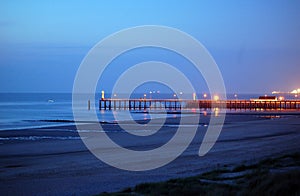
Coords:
pixel 256 44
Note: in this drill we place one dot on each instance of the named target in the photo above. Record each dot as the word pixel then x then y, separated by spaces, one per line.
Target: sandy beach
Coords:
pixel 54 161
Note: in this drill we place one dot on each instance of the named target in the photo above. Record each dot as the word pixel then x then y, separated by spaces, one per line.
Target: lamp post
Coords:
pixel 102 94
pixel 194 96
pixel 235 96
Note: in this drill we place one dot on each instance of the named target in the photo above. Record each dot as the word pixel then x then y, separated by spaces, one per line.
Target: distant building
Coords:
pixel 265 98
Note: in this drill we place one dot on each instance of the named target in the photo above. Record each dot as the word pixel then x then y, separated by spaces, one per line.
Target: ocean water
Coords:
pixel 33 110
pixel 24 110
pixel 30 110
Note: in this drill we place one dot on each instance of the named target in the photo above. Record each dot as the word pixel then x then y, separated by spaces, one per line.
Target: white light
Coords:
pixel 102 96
pixel 216 97
pixel 281 98
pixel 296 91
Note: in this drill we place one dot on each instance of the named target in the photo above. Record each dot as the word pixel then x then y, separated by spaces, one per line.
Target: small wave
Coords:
pixel 34 138
pixel 33 127
pixel 110 131
pixel 186 125
pixel 95 131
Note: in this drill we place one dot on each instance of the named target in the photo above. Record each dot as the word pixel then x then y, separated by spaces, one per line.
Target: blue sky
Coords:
pixel 256 44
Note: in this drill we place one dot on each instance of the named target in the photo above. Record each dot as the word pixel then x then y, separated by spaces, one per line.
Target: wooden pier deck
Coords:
pixel 178 104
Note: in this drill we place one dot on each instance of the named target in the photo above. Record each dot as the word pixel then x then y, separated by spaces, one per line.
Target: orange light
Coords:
pixel 281 98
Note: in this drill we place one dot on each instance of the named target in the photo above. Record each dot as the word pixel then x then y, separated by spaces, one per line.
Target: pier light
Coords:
pixel 216 97
pixel 174 95
pixel 102 94
pixel 194 96
pixel 204 95
pixel 145 95
pixel 180 93
pixel 235 95
pixel 296 96
pixel 115 95
pixel 281 98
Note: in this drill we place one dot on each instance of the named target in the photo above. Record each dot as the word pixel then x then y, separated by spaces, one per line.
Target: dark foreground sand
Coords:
pixel 54 166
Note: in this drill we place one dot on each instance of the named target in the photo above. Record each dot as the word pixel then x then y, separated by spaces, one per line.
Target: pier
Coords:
pixel 178 104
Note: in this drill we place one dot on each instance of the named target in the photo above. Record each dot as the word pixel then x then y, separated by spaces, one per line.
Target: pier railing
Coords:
pixel 178 104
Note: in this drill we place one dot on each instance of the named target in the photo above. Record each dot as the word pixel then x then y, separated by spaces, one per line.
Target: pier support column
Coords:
pixel 109 104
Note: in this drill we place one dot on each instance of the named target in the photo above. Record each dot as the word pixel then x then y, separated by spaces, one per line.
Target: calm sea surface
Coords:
pixel 30 110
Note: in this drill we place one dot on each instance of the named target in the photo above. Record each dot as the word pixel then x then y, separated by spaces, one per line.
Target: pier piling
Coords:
pixel 178 104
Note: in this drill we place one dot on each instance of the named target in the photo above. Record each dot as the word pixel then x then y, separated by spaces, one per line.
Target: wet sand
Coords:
pixel 55 165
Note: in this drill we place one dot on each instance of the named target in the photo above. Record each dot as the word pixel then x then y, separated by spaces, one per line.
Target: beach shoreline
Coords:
pixel 65 166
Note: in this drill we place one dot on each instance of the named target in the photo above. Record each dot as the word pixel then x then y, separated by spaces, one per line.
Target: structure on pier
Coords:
pixel 178 104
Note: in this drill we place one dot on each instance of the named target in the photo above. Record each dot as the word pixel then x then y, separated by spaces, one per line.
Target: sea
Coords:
pixel 34 110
